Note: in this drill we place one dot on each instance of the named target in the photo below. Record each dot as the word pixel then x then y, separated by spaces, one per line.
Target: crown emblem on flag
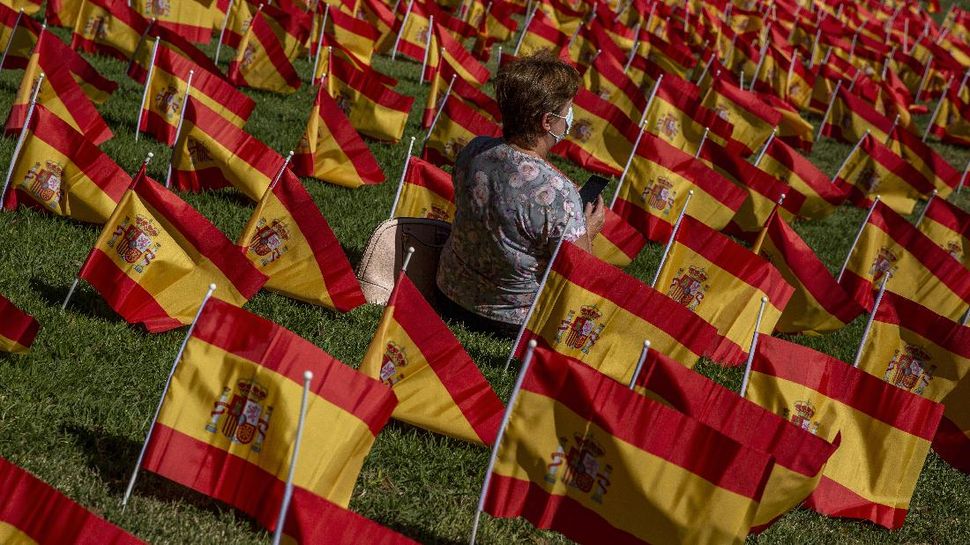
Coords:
pixel 688 287
pixel 134 241
pixel 883 263
pixel 345 102
pixel 668 126
pixel 869 179
pixel 394 360
pixel 248 56
pixel 244 418
pixel 269 240
pixel 436 213
pixel 909 369
pixel 582 130
pixel 198 153
pixel 802 416
pixel 659 194
pixel 581 467
pixel 157 8
pixel 581 332
pixel 44 182
pixel 96 27
pixel 168 101
pixel 955 249
pixel 722 112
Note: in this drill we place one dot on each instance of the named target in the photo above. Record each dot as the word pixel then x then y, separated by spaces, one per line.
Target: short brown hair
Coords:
pixel 529 87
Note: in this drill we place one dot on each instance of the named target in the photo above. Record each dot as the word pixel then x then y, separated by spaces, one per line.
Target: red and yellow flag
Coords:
pixel 723 283
pixel 607 79
pixel 313 519
pixel 541 34
pixel 415 31
pixel 587 311
pixel 952 121
pixel 458 124
pixel 927 161
pixel 62 13
pixel 822 198
pixel 228 422
pixel 18 34
pixel 261 61
pixel 618 243
pixel 356 35
pixel 656 187
pixel 212 153
pixel 437 384
pixel 331 150
pixel 586 456
pixel 191 19
pixel 109 27
pixel 33 512
pixel 17 332
pixel 426 192
pixel 799 455
pixel 885 431
pixel 60 171
pixel 601 137
pixel 446 49
pixel 753 120
pixel 677 116
pixel 874 169
pixel 472 95
pixel 142 59
pixel 851 116
pixel 949 227
pixel 373 109
pixel 921 270
pixel 289 240
pixel 157 255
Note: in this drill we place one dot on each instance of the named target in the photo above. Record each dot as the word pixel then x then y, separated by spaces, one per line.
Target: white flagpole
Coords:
pixel 761 60
pixel 222 31
pixel 13 32
pixel 821 124
pixel 526 360
pixel 148 84
pixel 892 128
pixel 427 49
pixel 633 50
pixel 178 128
pixel 525 28
pixel 670 242
pixel 407 259
pixel 872 317
pixel 811 58
pixel 923 80
pixel 400 184
pixel 707 67
pixel 441 108
pixel 639 367
pixel 852 152
pixel 141 40
pixel 791 72
pixel 532 307
pixel 404 22
pixel 701 145
pixel 161 400
pixel 288 491
pixel 316 56
pixel 963 178
pixel 279 173
pixel 922 213
pixel 754 345
pixel 636 144
pixel 862 227
pixel 936 110
pixel 764 148
pixel 20 139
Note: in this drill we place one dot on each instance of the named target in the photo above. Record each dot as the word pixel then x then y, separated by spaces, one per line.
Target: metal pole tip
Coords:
pixel 533 343
pixel 308 375
pixel 764 299
pixel 212 286
pixel 646 344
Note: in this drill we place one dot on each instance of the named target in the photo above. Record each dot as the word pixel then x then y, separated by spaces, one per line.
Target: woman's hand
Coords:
pixel 595 217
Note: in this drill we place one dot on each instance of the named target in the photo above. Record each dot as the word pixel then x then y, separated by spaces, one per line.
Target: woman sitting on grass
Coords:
pixel 513 206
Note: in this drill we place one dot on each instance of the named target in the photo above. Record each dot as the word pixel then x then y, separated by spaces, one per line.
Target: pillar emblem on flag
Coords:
pixel 269 240
pixel 134 241
pixel 581 466
pixel 869 179
pixel 883 263
pixel 668 126
pixel 802 416
pixel 169 102
pixel 436 213
pixel 910 369
pixel 157 8
pixel 96 27
pixel 581 332
pixel 722 112
pixel 604 93
pixel 198 153
pixel 795 89
pixel 454 146
pixel 688 286
pixel 955 249
pixel 659 194
pixel 423 34
pixel 391 366
pixel 582 130
pixel 345 102
pixel 248 56
pixel 244 417
pixel 44 182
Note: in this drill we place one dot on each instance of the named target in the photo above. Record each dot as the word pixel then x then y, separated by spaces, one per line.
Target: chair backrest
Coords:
pixel 385 253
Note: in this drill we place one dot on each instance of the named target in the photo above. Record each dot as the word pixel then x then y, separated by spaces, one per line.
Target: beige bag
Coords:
pixel 385 253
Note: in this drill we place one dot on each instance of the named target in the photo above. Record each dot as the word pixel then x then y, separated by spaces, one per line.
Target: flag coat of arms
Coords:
pixel 331 150
pixel 373 109
pixel 227 424
pixel 586 456
pixel 949 227
pixel 656 186
pixel 428 192
pixel 912 347
pixel 922 271
pixel 799 455
pixel 313 519
pixel 874 169
pixel 261 62
pixel 601 137
pixel 783 162
pixel 618 243
pixel 157 255
pixel 588 309
pixel 677 116
pixel 288 239
pixel 457 125
pixel 17 331
pixel 109 27
pixel 415 31
pixel 212 153
pixel 885 431
pixel 437 384
pixel 32 511
pixel 723 283
pixel 60 171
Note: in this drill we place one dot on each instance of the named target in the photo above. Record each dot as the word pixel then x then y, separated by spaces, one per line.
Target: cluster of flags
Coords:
pixel 609 435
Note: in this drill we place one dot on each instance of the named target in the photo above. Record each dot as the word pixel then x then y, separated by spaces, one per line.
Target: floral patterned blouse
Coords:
pixel 512 209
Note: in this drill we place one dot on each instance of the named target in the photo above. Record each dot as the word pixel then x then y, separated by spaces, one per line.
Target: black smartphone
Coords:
pixel 592 188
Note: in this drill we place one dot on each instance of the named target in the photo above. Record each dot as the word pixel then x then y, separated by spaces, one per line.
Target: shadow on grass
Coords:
pixel 422 535
pixel 83 301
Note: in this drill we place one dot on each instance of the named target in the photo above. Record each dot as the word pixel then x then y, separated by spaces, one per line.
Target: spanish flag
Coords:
pixel 18 34
pixel 912 347
pixel 801 83
pixel 819 304
pixel 109 27
pixel 723 283
pixel 927 161
pixel 427 192
pixel 753 120
pixel 468 92
pixel 457 125
pixel 851 116
pixel 157 255
pixel 356 35
pixel 885 431
pixel 62 13
pixel 166 92
pixel 60 171
pixel 921 270
pixel 313 519
pixel 240 16
pixel 212 153
pixel 601 138
pixel 414 34
pixel 30 7
pixel 584 455
pixel 228 422
pixel 289 240
pixel 142 59
pixel 373 109
pixel 331 150
pixel 57 53
pixel 607 79
pixel 437 384
pixel 587 310
pixel 671 58
pixel 191 19
pixel 949 227
pixel 677 116
pixel 541 34
pixel 822 198
pixel 446 49
pixel 17 332
pixel 32 511
pixel 874 169
pixel 261 61
pixel 618 243
pixel 951 124
pixel 799 455
pixel 291 25
pixel 656 186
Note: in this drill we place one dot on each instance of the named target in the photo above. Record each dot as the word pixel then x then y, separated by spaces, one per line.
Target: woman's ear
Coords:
pixel 546 122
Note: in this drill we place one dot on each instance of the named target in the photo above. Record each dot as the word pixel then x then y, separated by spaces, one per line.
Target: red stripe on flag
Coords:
pixel 953 445
pixel 832 499
pixel 17 325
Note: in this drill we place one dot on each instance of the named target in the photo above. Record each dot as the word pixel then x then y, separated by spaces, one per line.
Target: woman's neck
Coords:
pixel 539 149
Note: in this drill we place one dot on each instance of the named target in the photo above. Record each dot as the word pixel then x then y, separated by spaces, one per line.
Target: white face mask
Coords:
pixel 569 125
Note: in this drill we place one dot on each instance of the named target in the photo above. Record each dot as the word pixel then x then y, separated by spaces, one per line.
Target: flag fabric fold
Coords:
pixel 17 330
pixel 428 192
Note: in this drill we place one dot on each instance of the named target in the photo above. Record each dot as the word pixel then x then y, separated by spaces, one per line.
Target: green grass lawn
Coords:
pixel 75 410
